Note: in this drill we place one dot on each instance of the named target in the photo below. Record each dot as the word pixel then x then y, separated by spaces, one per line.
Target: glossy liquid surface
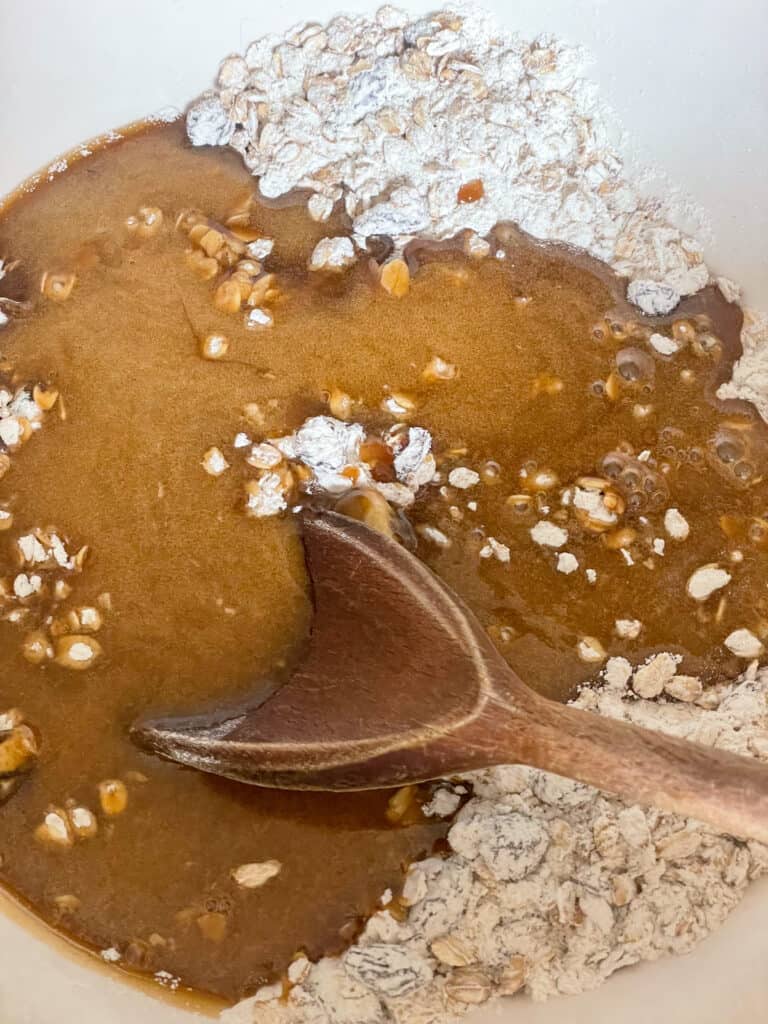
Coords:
pixel 205 600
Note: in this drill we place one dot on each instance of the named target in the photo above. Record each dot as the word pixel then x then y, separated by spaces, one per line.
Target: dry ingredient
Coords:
pixel 550 887
pixel 749 379
pixel 424 128
pixel 337 457
pixel 253 876
pixel 34 599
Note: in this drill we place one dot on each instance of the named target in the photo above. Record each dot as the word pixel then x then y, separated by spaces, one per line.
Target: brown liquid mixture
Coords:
pixel 205 600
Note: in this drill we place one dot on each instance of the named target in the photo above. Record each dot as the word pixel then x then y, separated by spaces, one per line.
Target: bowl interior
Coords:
pixel 691 87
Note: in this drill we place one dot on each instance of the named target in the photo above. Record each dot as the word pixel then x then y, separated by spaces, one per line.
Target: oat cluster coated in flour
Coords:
pixel 423 128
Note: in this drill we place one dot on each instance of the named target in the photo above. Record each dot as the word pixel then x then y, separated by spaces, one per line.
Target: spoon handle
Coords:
pixel 723 789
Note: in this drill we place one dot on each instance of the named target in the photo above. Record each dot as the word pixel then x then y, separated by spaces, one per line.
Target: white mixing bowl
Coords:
pixel 690 82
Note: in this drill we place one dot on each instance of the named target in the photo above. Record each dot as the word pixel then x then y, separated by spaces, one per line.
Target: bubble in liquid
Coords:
pixel 743 470
pixel 757 533
pixel 218 905
pixel 490 472
pixel 709 343
pixel 519 504
pixel 633 364
pixel 728 450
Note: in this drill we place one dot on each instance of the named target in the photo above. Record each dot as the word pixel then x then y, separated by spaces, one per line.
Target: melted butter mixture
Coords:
pixel 557 382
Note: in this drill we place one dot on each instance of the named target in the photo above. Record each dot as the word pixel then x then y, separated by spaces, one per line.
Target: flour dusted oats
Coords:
pixel 749 380
pixel 396 118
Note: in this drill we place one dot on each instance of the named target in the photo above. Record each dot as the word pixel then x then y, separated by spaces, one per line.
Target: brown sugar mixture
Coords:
pixel 592 500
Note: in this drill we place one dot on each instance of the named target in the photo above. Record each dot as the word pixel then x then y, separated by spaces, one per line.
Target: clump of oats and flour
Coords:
pixel 424 128
pixel 550 887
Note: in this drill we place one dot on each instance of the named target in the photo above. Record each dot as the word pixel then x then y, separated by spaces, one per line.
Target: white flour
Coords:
pixel 551 886
pixel 749 380
pixel 393 116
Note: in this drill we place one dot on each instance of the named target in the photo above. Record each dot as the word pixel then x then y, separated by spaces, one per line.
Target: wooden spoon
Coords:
pixel 401 684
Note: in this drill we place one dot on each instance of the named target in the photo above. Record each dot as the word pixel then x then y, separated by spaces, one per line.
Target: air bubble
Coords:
pixel 218 905
pixel 519 504
pixel 743 470
pixel 757 532
pixel 490 472
pixel 709 343
pixel 633 364
pixel 728 450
